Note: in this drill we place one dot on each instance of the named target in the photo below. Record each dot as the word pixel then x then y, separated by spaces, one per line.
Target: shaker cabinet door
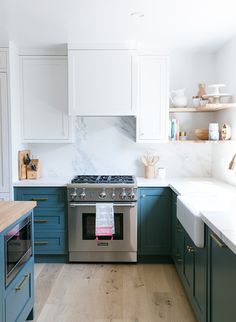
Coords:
pixel 4 136
pixel 152 119
pixel 45 99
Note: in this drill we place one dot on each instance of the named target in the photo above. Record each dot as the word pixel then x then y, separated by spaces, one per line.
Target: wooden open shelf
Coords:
pixel 207 108
pixel 202 141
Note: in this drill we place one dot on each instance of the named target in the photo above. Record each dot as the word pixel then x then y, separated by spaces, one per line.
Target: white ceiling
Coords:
pixel 183 24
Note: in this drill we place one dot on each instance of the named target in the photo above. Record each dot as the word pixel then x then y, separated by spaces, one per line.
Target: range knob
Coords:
pixel 123 194
pixel 131 195
pixel 83 194
pixel 73 194
pixel 103 194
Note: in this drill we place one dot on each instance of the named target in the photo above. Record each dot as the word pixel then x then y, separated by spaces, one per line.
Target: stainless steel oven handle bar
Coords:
pixel 74 205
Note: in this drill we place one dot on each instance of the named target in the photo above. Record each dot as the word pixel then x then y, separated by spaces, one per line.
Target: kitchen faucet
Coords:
pixel 232 163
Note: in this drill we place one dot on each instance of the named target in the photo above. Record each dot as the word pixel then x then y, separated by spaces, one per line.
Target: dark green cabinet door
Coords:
pixel 222 281
pixel 195 276
pixel 188 262
pixel 200 282
pixel 154 229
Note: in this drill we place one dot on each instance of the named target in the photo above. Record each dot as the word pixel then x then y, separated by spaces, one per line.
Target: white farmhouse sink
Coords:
pixel 189 210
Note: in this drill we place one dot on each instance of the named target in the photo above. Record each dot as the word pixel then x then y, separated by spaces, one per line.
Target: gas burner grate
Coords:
pixel 103 179
pixel 84 179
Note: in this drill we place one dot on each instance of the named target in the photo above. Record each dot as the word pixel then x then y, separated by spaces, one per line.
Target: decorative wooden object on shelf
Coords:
pixel 207 108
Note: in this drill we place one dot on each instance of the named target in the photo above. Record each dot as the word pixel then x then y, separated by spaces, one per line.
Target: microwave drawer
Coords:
pixel 20 294
pixel 49 243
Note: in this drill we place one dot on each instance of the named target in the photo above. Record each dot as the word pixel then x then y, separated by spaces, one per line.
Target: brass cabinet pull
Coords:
pixel 39 199
pixel 19 288
pixel 40 243
pixel 178 258
pixel 190 249
pixel 218 242
pixel 40 221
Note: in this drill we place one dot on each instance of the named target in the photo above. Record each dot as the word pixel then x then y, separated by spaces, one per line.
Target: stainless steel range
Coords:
pixel 84 193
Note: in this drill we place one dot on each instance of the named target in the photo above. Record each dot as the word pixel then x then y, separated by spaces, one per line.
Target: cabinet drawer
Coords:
pixel 3 60
pixel 45 197
pixel 49 219
pixel 20 293
pixel 49 243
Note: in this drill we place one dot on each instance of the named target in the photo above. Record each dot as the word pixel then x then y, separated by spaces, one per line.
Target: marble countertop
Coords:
pixel 223 224
pixel 44 182
pixel 11 211
pixel 189 186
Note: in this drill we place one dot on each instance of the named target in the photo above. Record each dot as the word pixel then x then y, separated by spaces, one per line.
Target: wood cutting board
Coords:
pixel 22 168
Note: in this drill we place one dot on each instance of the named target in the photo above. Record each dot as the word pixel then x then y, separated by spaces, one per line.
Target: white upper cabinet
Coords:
pixel 44 99
pixel 102 81
pixel 4 137
pixel 153 92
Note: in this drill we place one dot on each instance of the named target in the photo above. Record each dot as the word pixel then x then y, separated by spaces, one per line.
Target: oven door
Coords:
pixel 82 229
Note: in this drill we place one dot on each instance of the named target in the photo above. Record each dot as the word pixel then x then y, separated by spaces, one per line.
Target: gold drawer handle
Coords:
pixel 218 242
pixel 40 243
pixel 40 221
pixel 178 258
pixel 190 249
pixel 19 288
pixel 39 199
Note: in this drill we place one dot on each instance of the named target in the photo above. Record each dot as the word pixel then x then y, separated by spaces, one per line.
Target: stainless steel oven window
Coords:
pixel 88 224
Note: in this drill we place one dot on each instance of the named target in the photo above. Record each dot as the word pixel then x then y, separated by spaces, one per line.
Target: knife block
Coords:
pixel 31 173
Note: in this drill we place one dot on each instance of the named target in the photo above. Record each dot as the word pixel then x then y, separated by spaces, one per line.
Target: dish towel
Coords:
pixel 105 223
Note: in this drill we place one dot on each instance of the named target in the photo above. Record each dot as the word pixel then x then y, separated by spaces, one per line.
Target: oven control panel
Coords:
pixel 101 194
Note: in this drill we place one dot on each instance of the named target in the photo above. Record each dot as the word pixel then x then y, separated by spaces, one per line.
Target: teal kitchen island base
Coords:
pixel 17 261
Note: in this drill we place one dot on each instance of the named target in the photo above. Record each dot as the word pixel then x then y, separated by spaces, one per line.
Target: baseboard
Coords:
pixel 160 259
pixel 51 259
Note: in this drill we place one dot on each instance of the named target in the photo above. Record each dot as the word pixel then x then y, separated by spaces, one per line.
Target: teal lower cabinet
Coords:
pixel 177 238
pixel 19 296
pixel 50 221
pixel 191 265
pixel 194 276
pixel 221 282
pixel 16 293
pixel 154 225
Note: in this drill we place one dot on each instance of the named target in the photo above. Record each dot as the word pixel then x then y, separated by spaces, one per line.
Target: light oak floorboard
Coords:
pixel 109 293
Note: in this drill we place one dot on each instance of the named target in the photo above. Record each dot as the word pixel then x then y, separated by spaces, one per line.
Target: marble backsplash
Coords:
pixel 106 145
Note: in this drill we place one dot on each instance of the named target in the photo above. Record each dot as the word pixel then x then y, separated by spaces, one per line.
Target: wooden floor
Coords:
pixel 109 292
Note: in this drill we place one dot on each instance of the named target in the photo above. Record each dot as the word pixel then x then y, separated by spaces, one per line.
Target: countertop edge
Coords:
pixel 12 211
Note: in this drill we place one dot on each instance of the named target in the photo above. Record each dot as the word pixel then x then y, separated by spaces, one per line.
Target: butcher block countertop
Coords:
pixel 11 211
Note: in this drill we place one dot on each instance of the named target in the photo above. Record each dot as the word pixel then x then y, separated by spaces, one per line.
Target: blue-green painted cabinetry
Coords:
pixel 191 265
pixel 16 298
pixel 221 282
pixel 154 224
pixel 50 221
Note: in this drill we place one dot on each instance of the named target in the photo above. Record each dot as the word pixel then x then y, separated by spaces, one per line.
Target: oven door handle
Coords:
pixel 74 205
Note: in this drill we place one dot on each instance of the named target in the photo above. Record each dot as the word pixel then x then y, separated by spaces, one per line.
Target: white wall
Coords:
pixel 226 74
pixel 188 69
